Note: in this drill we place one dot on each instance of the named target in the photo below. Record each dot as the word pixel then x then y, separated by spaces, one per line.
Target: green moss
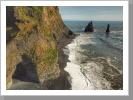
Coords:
pixel 33 13
pixel 50 13
pixel 31 20
pixel 30 53
pixel 50 59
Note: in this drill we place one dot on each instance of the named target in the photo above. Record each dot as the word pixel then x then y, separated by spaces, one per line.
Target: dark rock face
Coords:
pixel 89 27
pixel 108 29
pixel 10 12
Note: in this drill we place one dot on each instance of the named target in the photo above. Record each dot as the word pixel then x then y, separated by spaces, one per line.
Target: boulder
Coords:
pixel 89 27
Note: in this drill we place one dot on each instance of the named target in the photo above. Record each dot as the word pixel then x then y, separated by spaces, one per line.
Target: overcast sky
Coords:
pixel 94 13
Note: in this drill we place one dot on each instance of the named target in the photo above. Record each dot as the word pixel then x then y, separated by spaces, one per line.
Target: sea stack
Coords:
pixel 107 31
pixel 89 27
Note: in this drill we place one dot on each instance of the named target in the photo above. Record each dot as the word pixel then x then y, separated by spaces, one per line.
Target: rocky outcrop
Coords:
pixel 12 59
pixel 108 29
pixel 31 49
pixel 89 27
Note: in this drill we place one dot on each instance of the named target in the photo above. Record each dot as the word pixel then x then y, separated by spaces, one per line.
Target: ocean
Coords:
pixel 95 60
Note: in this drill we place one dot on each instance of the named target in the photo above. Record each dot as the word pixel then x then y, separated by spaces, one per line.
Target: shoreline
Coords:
pixel 62 81
pixel 92 65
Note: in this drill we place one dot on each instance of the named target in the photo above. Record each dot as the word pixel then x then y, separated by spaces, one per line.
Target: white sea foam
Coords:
pixel 98 46
pixel 116 32
pixel 87 75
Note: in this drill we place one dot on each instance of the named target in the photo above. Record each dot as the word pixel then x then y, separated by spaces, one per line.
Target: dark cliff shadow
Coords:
pixel 11 33
pixel 11 28
pixel 62 83
pixel 25 70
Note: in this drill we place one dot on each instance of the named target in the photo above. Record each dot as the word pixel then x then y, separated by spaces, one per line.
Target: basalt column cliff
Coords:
pixel 32 36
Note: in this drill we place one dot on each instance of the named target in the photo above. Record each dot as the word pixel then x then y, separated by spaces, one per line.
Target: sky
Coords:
pixel 91 13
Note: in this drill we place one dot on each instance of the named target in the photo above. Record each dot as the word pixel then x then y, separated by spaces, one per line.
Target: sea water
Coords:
pixel 95 60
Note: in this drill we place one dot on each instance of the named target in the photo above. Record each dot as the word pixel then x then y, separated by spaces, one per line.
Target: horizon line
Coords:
pixel 88 20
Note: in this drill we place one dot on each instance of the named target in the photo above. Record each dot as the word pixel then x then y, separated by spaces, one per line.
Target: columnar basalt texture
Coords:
pixel 33 33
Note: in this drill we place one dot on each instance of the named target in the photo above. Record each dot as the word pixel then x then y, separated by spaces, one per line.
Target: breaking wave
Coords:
pixel 94 63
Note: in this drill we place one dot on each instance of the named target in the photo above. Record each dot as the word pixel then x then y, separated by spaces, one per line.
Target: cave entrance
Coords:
pixel 20 73
pixel 25 70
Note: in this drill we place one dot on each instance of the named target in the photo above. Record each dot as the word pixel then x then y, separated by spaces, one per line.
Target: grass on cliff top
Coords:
pixel 31 13
pixel 31 16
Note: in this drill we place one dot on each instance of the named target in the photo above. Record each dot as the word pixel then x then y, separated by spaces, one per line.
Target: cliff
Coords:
pixel 33 43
